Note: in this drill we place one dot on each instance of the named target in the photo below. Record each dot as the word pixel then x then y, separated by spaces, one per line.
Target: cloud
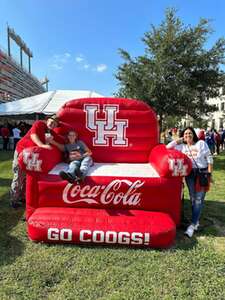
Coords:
pixel 101 68
pixel 58 61
pixel 56 67
pixel 67 54
pixel 83 64
pixel 86 66
pixel 79 58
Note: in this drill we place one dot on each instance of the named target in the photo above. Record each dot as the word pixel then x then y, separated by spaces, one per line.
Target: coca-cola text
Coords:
pixel 109 194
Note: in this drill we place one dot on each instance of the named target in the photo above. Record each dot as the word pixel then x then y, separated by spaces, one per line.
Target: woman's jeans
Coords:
pixel 197 198
pixel 83 165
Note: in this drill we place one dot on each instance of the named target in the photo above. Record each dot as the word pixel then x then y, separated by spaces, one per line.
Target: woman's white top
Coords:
pixel 199 153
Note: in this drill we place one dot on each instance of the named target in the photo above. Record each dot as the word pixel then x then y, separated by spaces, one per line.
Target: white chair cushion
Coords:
pixel 114 169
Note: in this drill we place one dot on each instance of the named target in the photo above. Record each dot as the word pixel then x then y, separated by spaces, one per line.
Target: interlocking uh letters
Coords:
pixel 108 127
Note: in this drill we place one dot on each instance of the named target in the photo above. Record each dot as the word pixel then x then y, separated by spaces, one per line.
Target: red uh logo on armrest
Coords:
pixel 32 161
pixel 110 127
pixel 177 166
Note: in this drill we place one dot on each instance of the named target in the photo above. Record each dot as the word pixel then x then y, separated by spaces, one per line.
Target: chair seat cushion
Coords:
pixel 102 226
pixel 143 170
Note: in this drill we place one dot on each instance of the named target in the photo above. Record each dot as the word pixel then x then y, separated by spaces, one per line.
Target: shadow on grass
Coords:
pixel 10 246
pixel 211 223
pixel 218 164
pixel 5 181
pixel 6 155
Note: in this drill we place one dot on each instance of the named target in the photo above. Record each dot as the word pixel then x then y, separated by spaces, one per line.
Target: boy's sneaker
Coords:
pixel 66 176
pixel 79 175
pixel 190 230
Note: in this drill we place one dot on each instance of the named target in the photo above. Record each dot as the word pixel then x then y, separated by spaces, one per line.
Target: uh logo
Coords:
pixel 108 127
pixel 177 166
pixel 32 161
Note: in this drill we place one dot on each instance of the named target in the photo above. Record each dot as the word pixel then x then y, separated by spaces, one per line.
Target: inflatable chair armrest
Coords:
pixel 169 162
pixel 36 160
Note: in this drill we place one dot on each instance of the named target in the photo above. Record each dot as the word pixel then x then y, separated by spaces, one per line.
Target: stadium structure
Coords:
pixel 15 81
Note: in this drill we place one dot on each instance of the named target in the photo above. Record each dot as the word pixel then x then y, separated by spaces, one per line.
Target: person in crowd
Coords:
pixel 78 156
pixel 223 140
pixel 163 137
pixel 220 132
pixel 169 136
pixel 209 139
pixel 201 157
pixel 10 126
pixel 16 135
pixel 201 134
pixel 22 128
pixel 217 139
pixel 175 133
pixel 36 136
pixel 5 133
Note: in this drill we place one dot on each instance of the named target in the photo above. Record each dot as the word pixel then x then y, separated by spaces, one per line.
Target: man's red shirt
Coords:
pixel 39 128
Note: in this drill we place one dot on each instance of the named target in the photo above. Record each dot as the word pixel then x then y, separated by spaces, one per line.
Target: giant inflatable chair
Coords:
pixel 132 194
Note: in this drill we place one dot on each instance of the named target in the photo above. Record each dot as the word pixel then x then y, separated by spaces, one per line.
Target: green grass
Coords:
pixel 191 269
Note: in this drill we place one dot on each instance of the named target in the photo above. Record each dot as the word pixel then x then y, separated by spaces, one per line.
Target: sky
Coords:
pixel 75 42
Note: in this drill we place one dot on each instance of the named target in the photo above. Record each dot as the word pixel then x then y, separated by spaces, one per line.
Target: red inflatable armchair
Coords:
pixel 132 193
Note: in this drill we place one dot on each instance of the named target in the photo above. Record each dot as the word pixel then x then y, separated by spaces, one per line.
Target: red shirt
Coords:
pixel 39 128
pixel 201 135
pixel 5 132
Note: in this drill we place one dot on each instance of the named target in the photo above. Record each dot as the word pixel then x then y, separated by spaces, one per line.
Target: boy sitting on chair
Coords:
pixel 79 158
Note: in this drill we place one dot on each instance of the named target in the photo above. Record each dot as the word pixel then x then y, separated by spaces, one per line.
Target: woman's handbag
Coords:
pixel 203 178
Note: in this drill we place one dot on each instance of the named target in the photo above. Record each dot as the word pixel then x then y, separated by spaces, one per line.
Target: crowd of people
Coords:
pixel 16 130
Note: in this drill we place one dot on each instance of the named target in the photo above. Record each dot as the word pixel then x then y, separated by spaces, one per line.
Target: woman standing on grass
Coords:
pixel 201 157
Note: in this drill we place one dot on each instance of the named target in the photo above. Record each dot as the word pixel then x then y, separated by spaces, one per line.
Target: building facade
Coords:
pixel 217 119
pixel 15 81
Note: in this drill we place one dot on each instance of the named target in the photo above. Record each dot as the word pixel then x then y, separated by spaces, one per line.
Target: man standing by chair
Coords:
pixel 40 134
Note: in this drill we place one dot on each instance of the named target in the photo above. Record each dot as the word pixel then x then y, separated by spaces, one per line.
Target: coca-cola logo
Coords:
pixel 104 194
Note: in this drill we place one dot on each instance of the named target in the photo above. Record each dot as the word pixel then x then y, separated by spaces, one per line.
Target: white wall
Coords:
pixel 217 119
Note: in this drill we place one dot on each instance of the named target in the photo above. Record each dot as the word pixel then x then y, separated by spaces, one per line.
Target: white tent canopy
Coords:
pixel 46 103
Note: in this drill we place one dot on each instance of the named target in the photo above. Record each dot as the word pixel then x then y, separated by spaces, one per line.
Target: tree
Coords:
pixel 176 74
